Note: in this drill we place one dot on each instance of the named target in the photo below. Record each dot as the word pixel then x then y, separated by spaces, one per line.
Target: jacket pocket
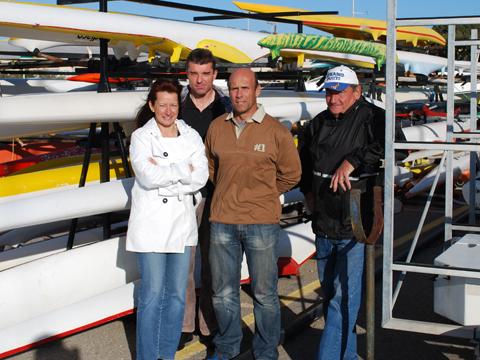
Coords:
pixel 332 210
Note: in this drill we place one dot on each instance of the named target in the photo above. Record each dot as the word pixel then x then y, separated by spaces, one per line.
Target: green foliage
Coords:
pixel 462 32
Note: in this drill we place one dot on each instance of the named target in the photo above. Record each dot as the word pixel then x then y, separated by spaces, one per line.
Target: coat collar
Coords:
pixel 152 128
pixel 219 92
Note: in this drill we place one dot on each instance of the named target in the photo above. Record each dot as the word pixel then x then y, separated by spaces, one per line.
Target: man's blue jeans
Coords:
pixel 227 243
pixel 161 303
pixel 340 270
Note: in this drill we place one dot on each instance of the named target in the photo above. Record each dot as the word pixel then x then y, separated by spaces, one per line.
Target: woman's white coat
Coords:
pixel 162 216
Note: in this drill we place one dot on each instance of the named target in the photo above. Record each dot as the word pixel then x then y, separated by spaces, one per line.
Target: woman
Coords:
pixel 170 166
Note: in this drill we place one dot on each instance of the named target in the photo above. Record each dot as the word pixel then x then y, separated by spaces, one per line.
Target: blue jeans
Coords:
pixel 340 270
pixel 227 243
pixel 161 302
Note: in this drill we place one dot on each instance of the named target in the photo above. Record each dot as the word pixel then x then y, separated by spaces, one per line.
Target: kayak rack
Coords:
pixel 103 86
pixel 469 143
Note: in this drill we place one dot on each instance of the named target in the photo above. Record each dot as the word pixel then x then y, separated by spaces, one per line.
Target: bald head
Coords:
pixel 243 72
pixel 244 90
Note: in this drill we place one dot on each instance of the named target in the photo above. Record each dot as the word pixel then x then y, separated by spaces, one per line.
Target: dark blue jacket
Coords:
pixel 357 136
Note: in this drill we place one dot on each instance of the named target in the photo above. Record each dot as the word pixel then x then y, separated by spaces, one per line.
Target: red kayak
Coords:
pixel 95 78
pixel 12 167
pixel 20 150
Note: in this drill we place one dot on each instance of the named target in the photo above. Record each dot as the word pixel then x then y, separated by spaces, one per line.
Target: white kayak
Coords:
pixel 32 86
pixel 41 207
pixel 42 231
pixel 59 294
pixel 431 132
pixel 423 154
pixel 460 164
pixel 56 112
pixel 128 34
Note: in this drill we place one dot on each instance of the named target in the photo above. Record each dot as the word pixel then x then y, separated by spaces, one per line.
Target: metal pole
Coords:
pixel 300 82
pixel 103 86
pixel 389 161
pixel 105 174
pixel 450 110
pixel 473 126
pixel 370 301
pixel 83 178
pixel 122 148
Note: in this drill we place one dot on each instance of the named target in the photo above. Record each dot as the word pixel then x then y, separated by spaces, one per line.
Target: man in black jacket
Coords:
pixel 342 146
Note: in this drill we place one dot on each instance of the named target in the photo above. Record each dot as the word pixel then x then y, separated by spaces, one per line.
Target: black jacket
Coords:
pixel 200 120
pixel 358 136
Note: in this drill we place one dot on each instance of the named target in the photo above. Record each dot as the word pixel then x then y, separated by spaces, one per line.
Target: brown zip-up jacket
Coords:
pixel 249 173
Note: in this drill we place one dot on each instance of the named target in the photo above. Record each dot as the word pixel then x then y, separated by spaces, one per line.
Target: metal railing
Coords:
pixel 469 143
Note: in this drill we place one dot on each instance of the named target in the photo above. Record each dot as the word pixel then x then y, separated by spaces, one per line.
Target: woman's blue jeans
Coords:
pixel 340 270
pixel 227 243
pixel 161 303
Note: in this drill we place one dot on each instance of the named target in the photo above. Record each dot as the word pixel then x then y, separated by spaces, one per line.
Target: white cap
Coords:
pixel 339 78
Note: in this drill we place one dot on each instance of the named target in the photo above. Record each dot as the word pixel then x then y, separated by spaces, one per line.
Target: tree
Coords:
pixel 462 32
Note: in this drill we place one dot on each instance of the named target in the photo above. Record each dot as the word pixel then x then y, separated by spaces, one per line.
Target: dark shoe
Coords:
pixel 206 340
pixel 184 338
pixel 215 356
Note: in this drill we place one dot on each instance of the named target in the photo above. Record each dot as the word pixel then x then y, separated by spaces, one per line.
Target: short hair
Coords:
pixel 201 56
pixel 162 85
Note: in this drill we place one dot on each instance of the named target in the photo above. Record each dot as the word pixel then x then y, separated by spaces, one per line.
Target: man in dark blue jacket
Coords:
pixel 341 145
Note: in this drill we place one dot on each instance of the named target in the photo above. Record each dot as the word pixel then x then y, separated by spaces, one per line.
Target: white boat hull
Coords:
pixel 60 294
pixel 459 165
pixel 432 131
pixel 128 34
pixel 24 210
pixel 56 112
pixel 43 208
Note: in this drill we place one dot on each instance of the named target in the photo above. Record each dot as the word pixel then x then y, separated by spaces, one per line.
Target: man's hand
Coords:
pixel 340 178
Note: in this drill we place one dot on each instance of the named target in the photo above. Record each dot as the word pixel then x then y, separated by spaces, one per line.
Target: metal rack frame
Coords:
pixel 470 144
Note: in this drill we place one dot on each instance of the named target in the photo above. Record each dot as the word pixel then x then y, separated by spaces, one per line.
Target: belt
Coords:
pixel 323 175
pixel 351 178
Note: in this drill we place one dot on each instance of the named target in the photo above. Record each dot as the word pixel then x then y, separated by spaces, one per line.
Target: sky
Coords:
pixel 374 9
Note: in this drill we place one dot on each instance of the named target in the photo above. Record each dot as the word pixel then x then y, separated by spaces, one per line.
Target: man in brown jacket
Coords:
pixel 252 160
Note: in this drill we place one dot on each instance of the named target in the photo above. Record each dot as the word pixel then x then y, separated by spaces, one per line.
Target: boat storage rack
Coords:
pixel 466 273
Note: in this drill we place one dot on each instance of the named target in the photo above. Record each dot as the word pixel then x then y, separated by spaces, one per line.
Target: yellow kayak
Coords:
pixel 56 177
pixel 352 27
